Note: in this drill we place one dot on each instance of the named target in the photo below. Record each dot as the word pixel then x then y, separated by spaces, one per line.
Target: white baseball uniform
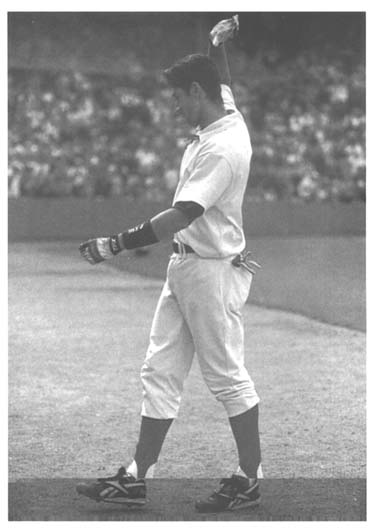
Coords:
pixel 199 310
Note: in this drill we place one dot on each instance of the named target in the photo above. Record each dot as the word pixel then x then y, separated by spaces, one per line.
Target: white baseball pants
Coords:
pixel 199 311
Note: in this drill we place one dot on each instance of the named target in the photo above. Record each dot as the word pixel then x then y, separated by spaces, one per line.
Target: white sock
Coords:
pixel 132 469
pixel 150 472
pixel 259 473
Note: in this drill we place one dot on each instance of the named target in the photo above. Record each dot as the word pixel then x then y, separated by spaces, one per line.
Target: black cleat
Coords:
pixel 122 488
pixel 234 493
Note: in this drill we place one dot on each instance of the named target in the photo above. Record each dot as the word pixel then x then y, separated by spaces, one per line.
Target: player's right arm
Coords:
pixel 161 227
pixel 210 178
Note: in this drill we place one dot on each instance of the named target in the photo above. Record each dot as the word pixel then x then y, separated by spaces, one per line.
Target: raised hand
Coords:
pixel 224 30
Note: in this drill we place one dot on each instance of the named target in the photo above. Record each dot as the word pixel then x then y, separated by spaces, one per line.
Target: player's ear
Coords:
pixel 196 90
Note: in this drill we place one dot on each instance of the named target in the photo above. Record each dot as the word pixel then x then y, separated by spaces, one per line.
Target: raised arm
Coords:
pixel 220 33
pixel 219 55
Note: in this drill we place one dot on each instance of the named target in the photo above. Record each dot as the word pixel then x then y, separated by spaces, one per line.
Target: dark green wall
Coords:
pixel 74 218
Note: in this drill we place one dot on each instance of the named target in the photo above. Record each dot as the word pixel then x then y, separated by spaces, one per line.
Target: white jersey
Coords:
pixel 214 173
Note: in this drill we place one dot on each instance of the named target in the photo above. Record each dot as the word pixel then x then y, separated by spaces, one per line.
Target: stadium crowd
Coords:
pixel 95 135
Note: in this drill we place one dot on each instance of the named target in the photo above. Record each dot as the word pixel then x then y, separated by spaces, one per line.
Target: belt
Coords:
pixel 186 248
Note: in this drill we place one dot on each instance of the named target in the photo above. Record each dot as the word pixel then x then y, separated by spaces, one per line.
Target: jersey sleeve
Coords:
pixel 228 99
pixel 191 210
pixel 210 177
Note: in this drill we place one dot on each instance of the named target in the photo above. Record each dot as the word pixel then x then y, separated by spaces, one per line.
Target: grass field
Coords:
pixel 77 338
pixel 320 277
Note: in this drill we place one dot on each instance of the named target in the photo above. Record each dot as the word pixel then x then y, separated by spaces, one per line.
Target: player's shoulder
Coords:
pixel 217 145
pixel 232 138
pixel 234 153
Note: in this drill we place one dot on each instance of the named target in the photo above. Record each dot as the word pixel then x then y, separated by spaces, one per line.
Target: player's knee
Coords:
pixel 146 370
pixel 155 372
pixel 151 379
pixel 227 390
pixel 161 385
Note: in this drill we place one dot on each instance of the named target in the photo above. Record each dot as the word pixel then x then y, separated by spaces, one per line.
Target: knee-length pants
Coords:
pixel 199 312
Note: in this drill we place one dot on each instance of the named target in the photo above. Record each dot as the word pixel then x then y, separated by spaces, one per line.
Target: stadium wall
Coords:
pixel 74 218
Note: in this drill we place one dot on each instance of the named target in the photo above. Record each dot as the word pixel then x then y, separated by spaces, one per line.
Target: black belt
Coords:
pixel 187 249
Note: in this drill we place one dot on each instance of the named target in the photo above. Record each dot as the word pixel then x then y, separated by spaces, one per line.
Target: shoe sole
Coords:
pixel 242 506
pixel 129 504
pixel 120 500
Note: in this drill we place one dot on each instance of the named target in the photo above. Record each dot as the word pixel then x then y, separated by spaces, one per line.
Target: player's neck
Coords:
pixel 210 114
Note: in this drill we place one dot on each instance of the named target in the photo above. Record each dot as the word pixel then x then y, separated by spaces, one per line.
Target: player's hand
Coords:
pixel 224 30
pixel 97 250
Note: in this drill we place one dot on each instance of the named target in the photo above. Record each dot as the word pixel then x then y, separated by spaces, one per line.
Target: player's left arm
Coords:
pixel 218 55
pixel 161 227
pixel 219 35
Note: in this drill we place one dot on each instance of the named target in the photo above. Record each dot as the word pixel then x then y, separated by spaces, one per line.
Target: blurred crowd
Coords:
pixel 96 136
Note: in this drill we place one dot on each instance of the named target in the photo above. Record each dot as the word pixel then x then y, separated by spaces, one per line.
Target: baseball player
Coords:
pixel 207 285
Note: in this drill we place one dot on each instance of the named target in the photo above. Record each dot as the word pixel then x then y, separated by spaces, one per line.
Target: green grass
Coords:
pixel 321 277
pixel 77 339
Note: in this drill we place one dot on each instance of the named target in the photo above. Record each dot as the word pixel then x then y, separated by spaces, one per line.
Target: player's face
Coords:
pixel 187 106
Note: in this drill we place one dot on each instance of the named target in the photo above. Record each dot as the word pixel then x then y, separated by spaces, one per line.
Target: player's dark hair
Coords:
pixel 195 68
